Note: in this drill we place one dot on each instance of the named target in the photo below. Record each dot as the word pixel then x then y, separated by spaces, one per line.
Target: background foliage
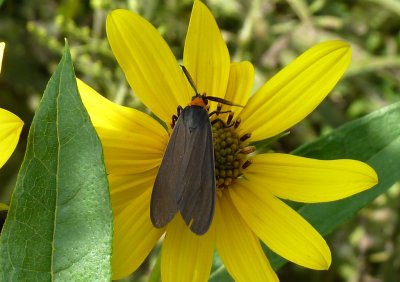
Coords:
pixel 269 34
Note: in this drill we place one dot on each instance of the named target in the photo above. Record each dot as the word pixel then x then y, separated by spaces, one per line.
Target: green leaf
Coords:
pixel 155 274
pixel 221 275
pixel 59 226
pixel 374 139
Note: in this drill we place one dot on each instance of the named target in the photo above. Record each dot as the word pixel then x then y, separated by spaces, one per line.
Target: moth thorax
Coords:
pixel 230 152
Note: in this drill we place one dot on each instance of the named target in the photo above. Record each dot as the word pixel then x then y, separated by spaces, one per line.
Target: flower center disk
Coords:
pixel 230 152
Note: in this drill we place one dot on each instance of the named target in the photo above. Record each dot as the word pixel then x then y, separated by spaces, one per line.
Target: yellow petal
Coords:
pixel 106 114
pixel 282 229
pixel 308 180
pixel 240 83
pixel 2 46
pixel 185 255
pixel 206 56
pixel 148 63
pixel 134 236
pixel 238 247
pixel 10 129
pixel 4 207
pixel 124 188
pixel 295 91
pixel 130 153
pixel 133 142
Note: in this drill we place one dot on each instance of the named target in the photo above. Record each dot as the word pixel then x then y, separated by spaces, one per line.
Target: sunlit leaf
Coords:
pixel 59 225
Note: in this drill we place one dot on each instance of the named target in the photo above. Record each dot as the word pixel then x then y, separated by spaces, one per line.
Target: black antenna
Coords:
pixel 190 79
pixel 211 98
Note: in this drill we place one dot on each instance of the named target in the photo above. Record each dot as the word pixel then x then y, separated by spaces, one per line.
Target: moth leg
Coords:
pixel 179 110
pixel 174 119
pixel 216 112
pixel 219 108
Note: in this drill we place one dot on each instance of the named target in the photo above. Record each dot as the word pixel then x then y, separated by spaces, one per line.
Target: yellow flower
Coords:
pixel 10 127
pixel 249 207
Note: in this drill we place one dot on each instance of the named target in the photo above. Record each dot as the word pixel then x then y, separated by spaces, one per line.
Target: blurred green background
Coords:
pixel 270 34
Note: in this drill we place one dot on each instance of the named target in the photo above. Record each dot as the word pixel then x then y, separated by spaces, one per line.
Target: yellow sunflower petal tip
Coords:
pixel 2 46
pixel 325 259
pixel 364 174
pixel 337 49
pixel 10 130
pixel 372 177
pixel 334 46
pixel 118 12
pixel 3 207
pixel 148 63
pixel 112 16
pixel 328 261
